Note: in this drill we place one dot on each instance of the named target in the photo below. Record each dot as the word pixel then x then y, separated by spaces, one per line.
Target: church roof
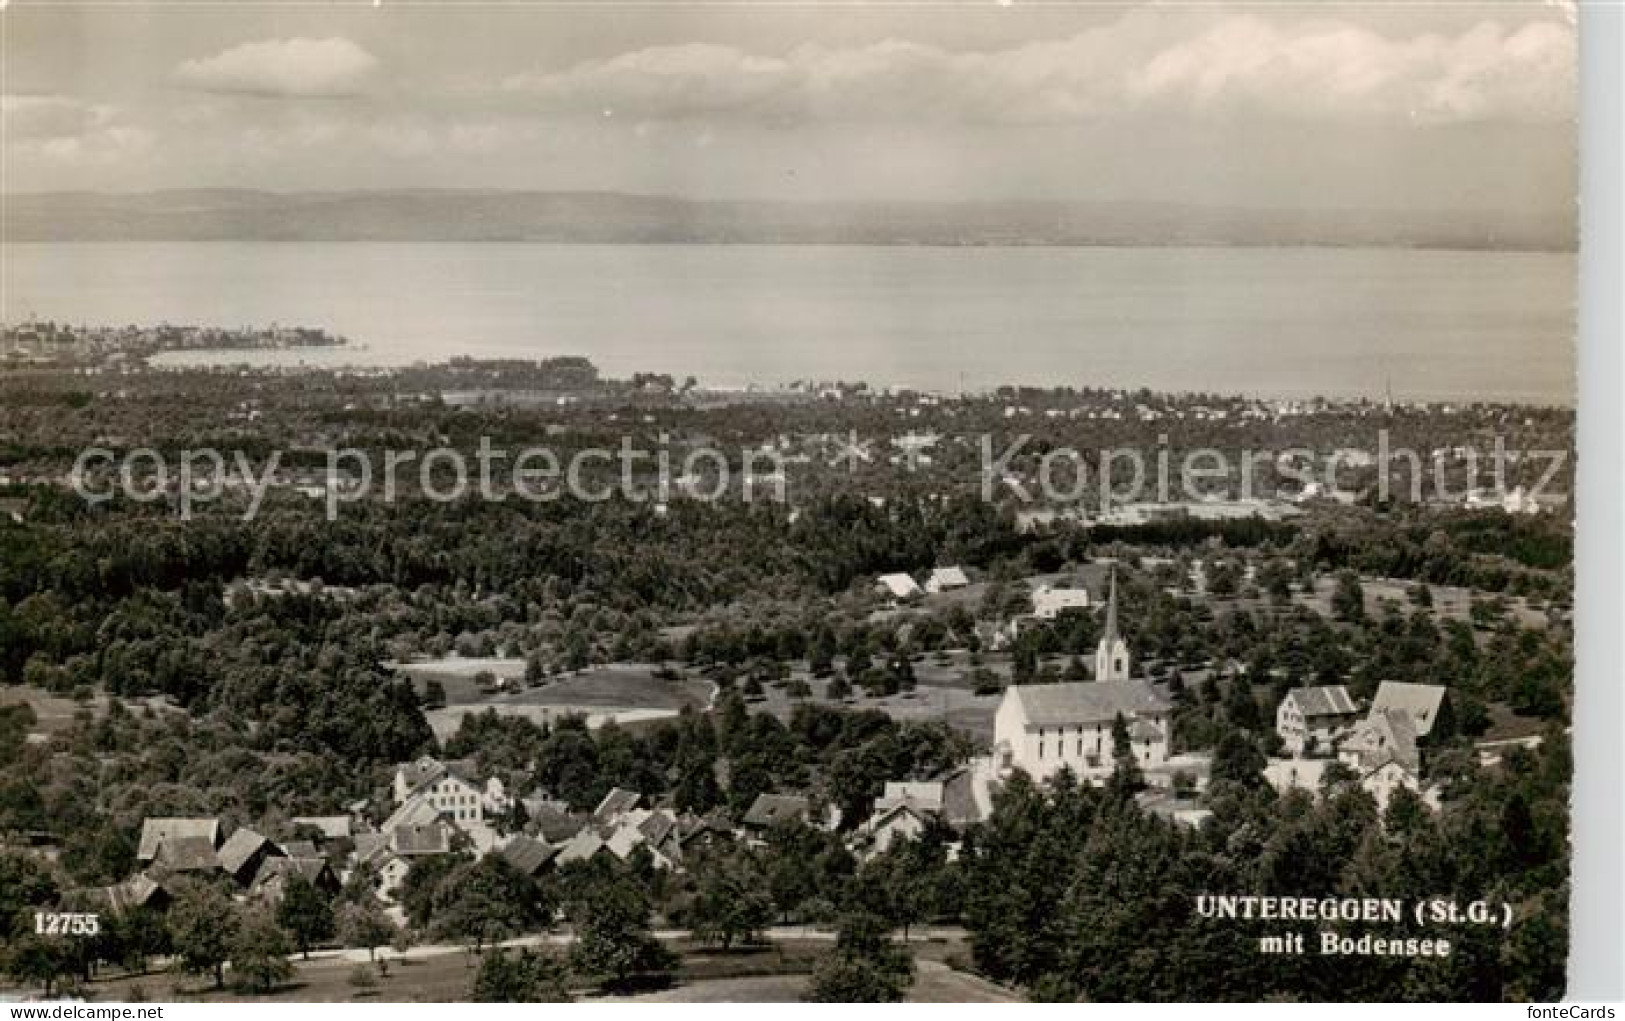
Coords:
pixel 1086 701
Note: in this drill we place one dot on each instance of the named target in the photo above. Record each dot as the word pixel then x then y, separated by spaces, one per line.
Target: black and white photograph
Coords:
pixel 734 503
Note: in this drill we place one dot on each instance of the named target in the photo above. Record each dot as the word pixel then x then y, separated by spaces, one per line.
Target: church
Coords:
pixel 1041 727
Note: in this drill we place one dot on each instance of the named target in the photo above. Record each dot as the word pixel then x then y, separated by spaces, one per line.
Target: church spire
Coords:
pixel 1112 655
pixel 1111 633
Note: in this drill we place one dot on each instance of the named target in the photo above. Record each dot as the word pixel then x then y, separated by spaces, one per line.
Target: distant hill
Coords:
pixel 450 215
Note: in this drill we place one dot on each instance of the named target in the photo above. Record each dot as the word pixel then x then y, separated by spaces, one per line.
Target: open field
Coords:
pixel 773 972
pixel 55 713
pixel 624 692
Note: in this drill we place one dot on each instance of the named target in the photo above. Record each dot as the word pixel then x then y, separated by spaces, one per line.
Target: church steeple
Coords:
pixel 1111 655
pixel 1111 633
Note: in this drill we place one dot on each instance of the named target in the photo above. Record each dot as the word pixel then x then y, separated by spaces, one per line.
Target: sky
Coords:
pixel 1382 105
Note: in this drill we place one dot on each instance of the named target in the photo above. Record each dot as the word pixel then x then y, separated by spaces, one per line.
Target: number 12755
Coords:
pixel 58 923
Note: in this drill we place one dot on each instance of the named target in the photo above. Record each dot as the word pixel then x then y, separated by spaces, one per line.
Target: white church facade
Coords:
pixel 1039 728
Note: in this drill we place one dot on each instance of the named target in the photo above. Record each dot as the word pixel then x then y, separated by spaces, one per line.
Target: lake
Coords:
pixel 1442 325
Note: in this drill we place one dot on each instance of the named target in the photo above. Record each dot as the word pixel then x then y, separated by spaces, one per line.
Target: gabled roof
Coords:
pixel 899 585
pixel 333 827
pixel 299 849
pixel 155 831
pixel 579 847
pixel 240 848
pixel 1421 701
pixel 1329 700
pixel 414 811
pixel 922 796
pixel 555 825
pixel 138 891
pixel 528 855
pixel 619 800
pixel 1383 737
pixel 186 854
pixel 276 870
pixel 411 840
pixel 768 809
pixel 947 577
pixel 1085 701
pixel 657 826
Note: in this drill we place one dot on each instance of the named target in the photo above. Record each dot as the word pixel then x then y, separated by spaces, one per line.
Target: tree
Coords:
pixel 259 952
pixel 731 902
pixel 490 901
pixel 203 926
pixel 41 959
pixel 526 977
pixel 306 913
pixel 610 914
pixel 1348 598
pixel 864 967
pixel 365 925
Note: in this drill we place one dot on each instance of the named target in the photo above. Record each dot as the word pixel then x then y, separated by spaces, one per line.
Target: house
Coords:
pixel 615 804
pixel 419 841
pixel 188 856
pixel 529 855
pixel 271 883
pixel 452 788
pixel 1310 719
pixel 138 891
pixel 900 821
pixel 1050 601
pixel 897 586
pixel 157 830
pixel 1112 659
pixel 770 809
pixel 1382 752
pixel 244 852
pixel 331 827
pixel 946 579
pixel 1383 736
pixel 1039 728
pixel 1425 703
pixel 580 847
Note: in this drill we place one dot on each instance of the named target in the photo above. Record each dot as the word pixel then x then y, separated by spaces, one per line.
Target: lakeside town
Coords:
pixel 901 733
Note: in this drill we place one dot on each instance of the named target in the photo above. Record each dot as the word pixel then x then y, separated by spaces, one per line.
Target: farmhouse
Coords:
pixel 897 586
pixel 1424 703
pixel 1310 719
pixel 946 579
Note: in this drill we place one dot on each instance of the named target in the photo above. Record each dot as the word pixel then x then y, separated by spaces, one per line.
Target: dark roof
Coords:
pixel 1086 701
pixel 275 870
pixel 1330 700
pixel 187 854
pixel 657 826
pixel 768 809
pixel 430 839
pixel 240 848
pixel 528 855
pixel 552 824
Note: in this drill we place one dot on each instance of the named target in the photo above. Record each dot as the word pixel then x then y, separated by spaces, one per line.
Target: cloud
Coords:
pixel 62 129
pixel 304 68
pixel 1142 63
pixel 48 116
